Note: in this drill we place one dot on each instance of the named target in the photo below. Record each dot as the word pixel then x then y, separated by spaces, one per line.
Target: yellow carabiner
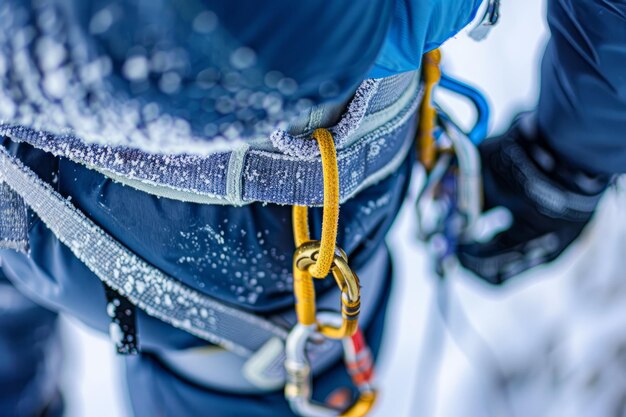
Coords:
pixel 362 406
pixel 304 258
pixel 431 74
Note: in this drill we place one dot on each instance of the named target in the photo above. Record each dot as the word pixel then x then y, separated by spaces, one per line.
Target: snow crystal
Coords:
pixel 136 68
pixel 55 84
pixel 244 57
pixel 111 310
pixel 170 82
pixel 167 300
pixel 205 22
pixel 101 21
pixel 116 334
pixel 50 53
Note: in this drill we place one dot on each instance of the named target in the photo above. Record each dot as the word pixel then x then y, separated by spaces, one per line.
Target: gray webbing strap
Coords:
pixel 13 220
pixel 371 139
pixel 145 286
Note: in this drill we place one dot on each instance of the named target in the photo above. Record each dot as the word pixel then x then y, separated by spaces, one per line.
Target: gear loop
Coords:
pixel 347 281
pixel 330 218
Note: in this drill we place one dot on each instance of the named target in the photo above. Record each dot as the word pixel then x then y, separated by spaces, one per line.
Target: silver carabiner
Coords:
pixel 432 212
pixel 298 389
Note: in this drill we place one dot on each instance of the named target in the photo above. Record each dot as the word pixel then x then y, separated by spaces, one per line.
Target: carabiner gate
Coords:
pixel 357 357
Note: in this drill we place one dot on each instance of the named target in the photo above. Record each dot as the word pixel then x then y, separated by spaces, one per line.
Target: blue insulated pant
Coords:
pixel 30 359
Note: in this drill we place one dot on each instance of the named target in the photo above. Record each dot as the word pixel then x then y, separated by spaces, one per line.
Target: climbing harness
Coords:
pixel 182 306
pixel 256 342
pixel 373 137
pixel 316 259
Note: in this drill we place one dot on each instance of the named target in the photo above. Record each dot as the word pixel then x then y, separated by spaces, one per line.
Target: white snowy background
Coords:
pixel 552 343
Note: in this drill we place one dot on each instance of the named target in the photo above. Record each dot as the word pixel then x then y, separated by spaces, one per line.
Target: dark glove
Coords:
pixel 550 200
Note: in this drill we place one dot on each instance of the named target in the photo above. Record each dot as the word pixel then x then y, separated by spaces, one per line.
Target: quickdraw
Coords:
pixel 316 259
pixel 450 202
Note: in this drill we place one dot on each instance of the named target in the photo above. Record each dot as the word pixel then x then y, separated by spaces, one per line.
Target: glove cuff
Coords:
pixel 559 189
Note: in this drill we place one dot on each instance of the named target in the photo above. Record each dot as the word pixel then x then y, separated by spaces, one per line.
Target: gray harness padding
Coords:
pixel 13 220
pixel 370 137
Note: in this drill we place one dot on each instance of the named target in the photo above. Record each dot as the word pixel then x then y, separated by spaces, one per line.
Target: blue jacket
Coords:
pixel 319 50
pixel 582 106
pixel 162 74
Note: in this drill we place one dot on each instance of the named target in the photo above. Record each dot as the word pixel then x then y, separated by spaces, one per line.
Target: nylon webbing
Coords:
pixel 148 288
pixel 13 220
pixel 372 147
pixel 160 295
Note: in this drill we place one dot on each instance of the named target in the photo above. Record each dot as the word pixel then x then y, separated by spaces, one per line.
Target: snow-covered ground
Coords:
pixel 549 344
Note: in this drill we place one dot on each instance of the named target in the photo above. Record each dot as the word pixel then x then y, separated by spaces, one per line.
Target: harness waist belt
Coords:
pixel 285 168
pixel 158 294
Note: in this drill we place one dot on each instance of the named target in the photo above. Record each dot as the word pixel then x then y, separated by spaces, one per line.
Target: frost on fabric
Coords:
pixel 57 78
pixel 13 220
pixel 301 146
pixel 246 269
pixel 296 180
pixel 133 116
pixel 265 176
pixel 143 285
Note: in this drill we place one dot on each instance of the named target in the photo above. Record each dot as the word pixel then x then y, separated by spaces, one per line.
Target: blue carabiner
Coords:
pixel 479 132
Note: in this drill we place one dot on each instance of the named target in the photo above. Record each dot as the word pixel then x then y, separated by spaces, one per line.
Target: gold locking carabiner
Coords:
pixel 348 282
pixel 431 74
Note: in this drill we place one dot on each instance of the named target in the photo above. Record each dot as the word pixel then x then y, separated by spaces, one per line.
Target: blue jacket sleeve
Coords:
pixel 582 106
pixel 419 26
